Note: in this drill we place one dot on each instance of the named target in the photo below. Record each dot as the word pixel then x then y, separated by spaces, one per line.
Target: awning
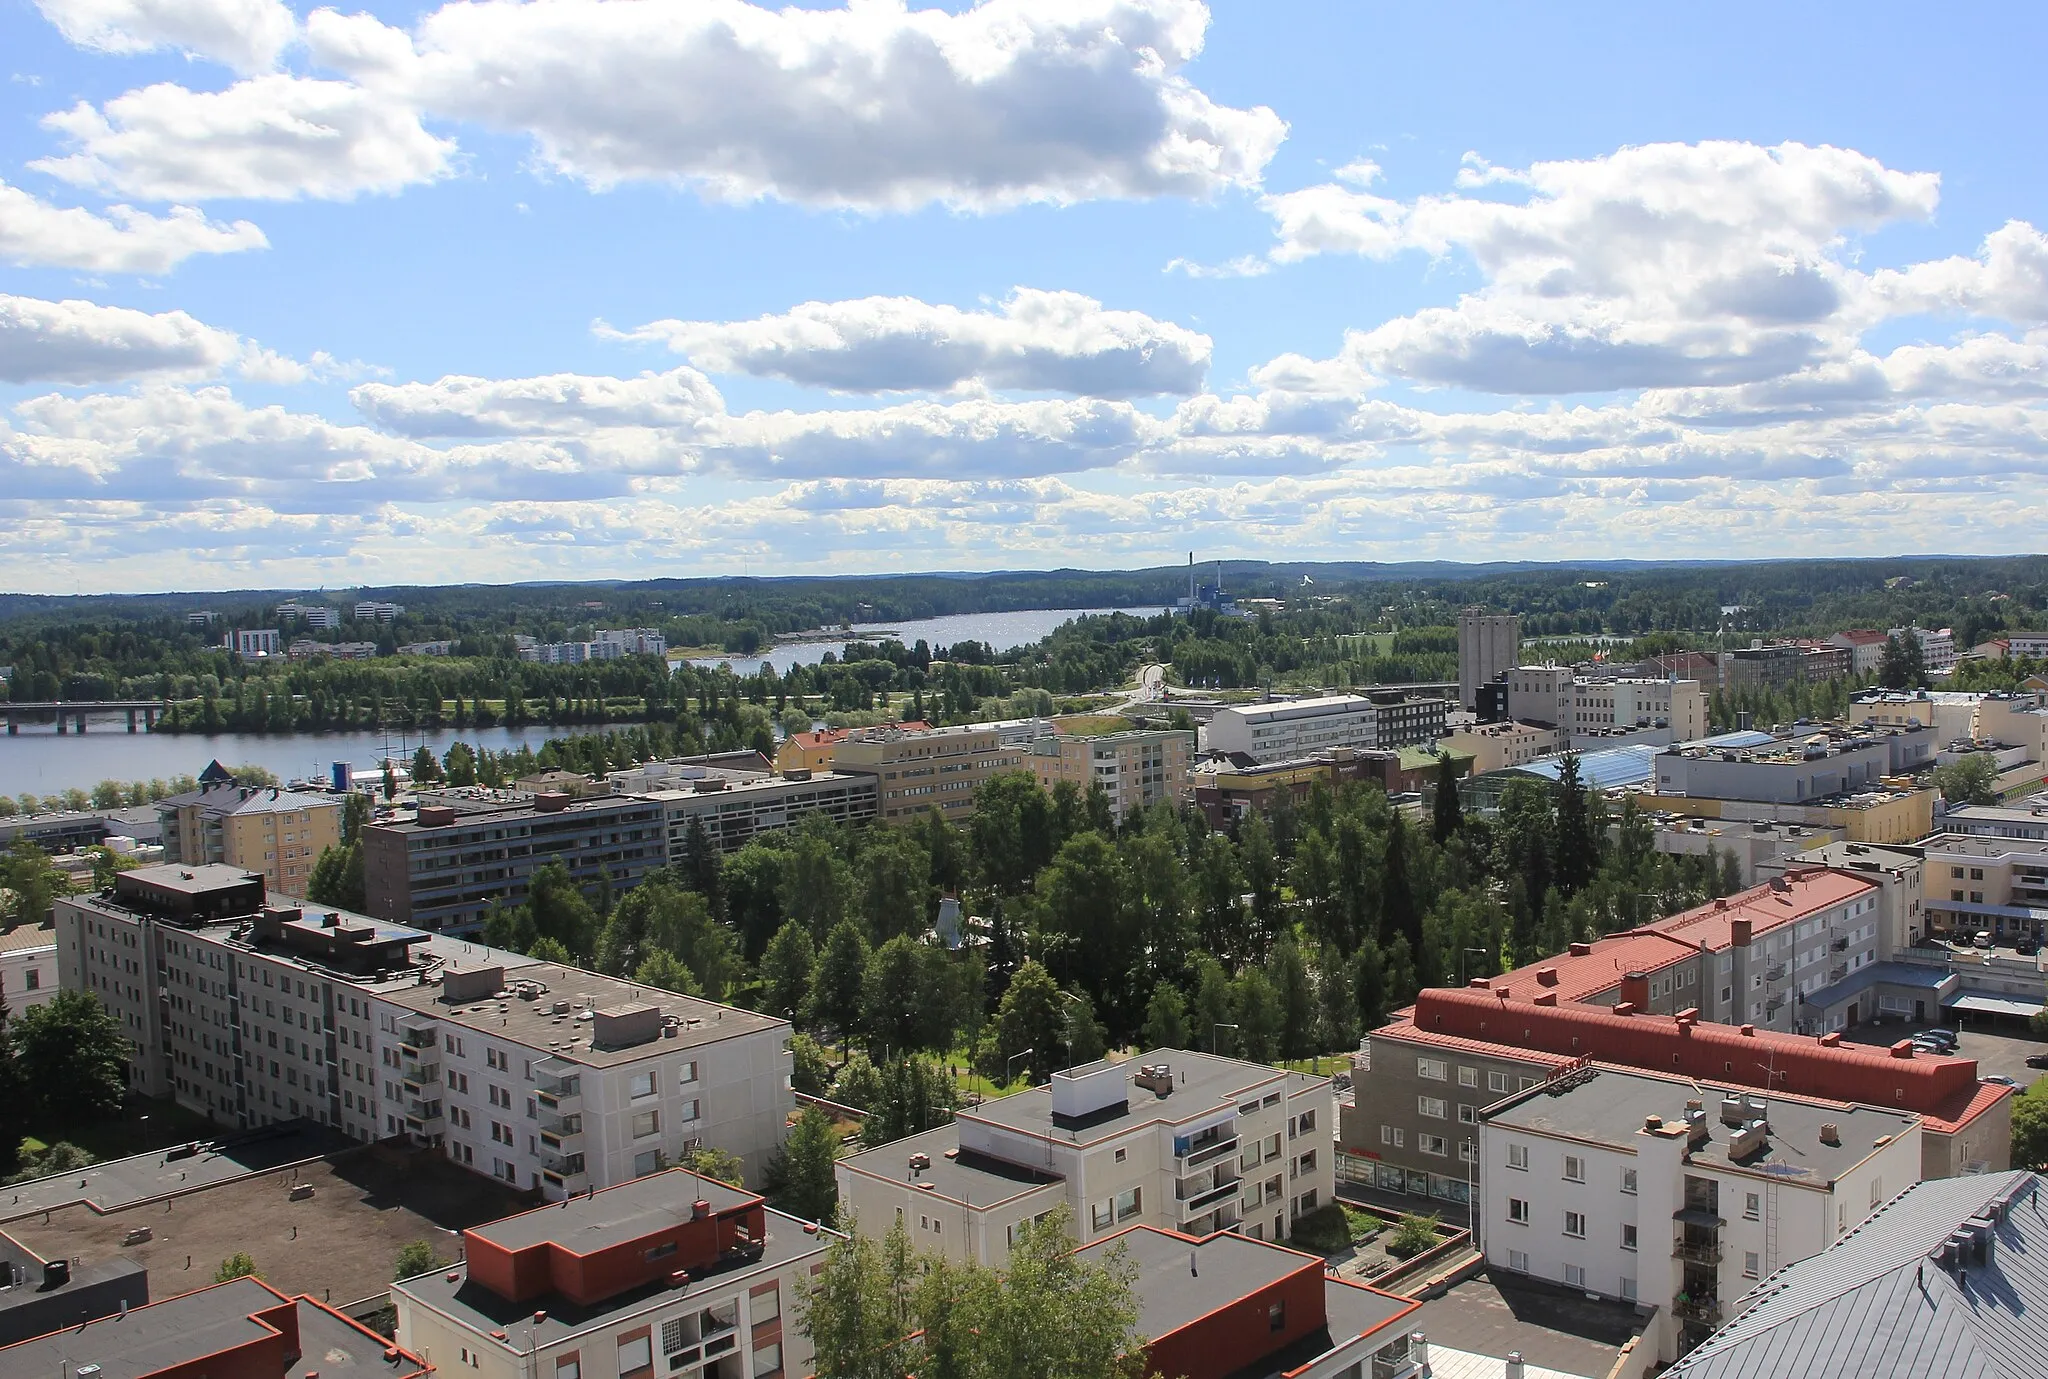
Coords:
pixel 1694 1216
pixel 1972 1003
pixel 1971 907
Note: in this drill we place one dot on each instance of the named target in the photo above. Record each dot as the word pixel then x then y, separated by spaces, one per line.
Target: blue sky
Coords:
pixel 586 288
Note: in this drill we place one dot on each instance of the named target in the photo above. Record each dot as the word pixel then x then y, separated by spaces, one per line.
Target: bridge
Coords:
pixel 68 711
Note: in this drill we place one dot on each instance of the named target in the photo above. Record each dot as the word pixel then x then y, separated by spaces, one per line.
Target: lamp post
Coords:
pixel 1219 1025
pixel 1010 1069
pixel 1464 975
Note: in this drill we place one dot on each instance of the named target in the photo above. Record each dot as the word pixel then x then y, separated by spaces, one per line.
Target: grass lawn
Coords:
pixel 1322 1065
pixel 1093 724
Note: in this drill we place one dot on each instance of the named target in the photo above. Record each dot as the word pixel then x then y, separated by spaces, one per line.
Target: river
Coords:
pixel 40 762
pixel 999 630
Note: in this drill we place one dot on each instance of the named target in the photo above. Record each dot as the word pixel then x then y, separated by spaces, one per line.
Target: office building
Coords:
pixel 1225 791
pixel 1183 1141
pixel 2025 820
pixel 28 966
pixel 545 1077
pixel 370 610
pixel 1828 762
pixel 1760 848
pixel 251 643
pixel 1136 769
pixel 262 829
pixel 1952 714
pixel 1678 1194
pixel 1290 729
pixel 242 1329
pixel 1986 884
pixel 1561 698
pixel 1946 1278
pixel 1761 665
pixel 1497 746
pixel 1408 721
pixel 1488 644
pixel 932 768
pixel 671 1274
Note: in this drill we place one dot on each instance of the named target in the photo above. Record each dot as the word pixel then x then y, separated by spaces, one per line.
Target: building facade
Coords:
pixel 935 768
pixel 1497 746
pixel 733 812
pixel 28 966
pixel 1290 729
pixel 1136 769
pixel 279 833
pixel 1488 644
pixel 1561 698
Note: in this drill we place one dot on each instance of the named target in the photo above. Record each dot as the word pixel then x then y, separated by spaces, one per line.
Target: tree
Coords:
pixel 702 865
pixel 1259 1017
pixel 425 767
pixel 810 1072
pixel 1902 664
pixel 337 878
pixel 716 1164
pixel 459 764
pixel 816 883
pixel 809 1187
pixel 1166 1018
pixel 558 910
pixel 786 969
pixel 1010 833
pixel 390 781
pixel 355 812
pixel 896 1009
pixel 2030 1129
pixel 916 1095
pixel 856 1308
pixel 61 1157
pixel 1446 817
pixel 894 883
pixel 73 1058
pixel 32 883
pixel 1030 1018
pixel 664 971
pixel 1400 911
pixel 859 1083
pixel 236 1265
pixel 1288 975
pixel 1968 780
pixel 415 1258
pixel 837 994
pixel 658 916
pixel 1577 851
pixel 1369 982
pixel 1336 1002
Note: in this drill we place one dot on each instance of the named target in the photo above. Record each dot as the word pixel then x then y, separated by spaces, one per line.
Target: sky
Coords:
pixel 576 289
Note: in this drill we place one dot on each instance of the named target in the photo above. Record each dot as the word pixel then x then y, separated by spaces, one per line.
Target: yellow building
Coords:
pixel 277 834
pixel 935 768
pixel 1136 769
pixel 808 751
pixel 1497 746
pixel 1896 814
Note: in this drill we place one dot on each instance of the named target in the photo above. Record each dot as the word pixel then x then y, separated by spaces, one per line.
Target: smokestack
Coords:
pixel 1191 579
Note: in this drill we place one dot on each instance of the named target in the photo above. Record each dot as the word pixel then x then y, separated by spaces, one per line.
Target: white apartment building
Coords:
pixel 370 610
pixel 1488 643
pixel 1135 769
pixel 629 641
pixel 1185 1141
pixel 252 642
pixel 552 1078
pixel 1675 1194
pixel 1292 728
pixel 28 967
pixel 1937 646
pixel 1563 699
pixel 311 614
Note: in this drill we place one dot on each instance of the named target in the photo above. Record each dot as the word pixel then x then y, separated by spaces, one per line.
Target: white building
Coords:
pixel 1488 643
pixel 28 967
pixel 1184 1141
pixel 311 614
pixel 629 641
pixel 1676 1195
pixel 1291 728
pixel 1865 647
pixel 1578 704
pixel 369 610
pixel 1937 646
pixel 552 1078
pixel 252 642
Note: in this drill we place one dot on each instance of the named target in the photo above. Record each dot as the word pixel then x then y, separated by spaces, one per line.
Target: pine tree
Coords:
pixel 1447 817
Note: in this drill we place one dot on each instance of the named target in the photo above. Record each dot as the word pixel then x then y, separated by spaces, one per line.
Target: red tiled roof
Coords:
pixel 1806 893
pixel 1862 636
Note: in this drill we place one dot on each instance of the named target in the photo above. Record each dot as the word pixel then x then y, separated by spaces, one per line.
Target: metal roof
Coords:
pixel 1876 1305
pixel 1972 1003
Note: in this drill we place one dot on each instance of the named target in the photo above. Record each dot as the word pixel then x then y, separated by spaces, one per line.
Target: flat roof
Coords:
pixel 614 1215
pixel 451 1292
pixel 535 1023
pixel 1606 1104
pixel 956 1175
pixel 1202 1083
pixel 195 878
pixel 521 812
pixel 1181 1279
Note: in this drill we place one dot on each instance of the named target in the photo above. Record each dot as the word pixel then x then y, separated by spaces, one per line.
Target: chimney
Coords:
pixel 1831 1040
pixel 1635 989
pixel 1546 976
pixel 1625 1009
pixel 1546 998
pixel 1738 931
pixel 1830 1133
pixel 1749 1031
pixel 1480 983
pixel 1582 950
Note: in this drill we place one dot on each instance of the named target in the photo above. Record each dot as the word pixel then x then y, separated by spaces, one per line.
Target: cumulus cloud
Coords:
pixel 1058 342
pixel 874 107
pixel 246 35
pixel 2008 278
pixel 82 342
pixel 552 405
pixel 36 234
pixel 1662 266
pixel 274 136
pixel 972 438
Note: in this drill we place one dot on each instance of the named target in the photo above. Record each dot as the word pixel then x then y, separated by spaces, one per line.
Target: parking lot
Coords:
pixel 1995 1053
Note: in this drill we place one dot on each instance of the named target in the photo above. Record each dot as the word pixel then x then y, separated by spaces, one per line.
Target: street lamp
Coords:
pixel 1464 977
pixel 1010 1070
pixel 1219 1025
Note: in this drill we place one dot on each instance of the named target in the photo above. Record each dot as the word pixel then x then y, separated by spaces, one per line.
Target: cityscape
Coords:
pixel 1136 689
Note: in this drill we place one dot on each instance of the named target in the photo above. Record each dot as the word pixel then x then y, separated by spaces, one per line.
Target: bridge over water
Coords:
pixel 69 711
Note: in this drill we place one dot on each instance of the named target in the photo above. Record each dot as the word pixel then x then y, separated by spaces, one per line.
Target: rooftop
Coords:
pixel 615 1215
pixel 24 938
pixel 1496 1312
pixel 1880 1303
pixel 1799 894
pixel 187 1329
pixel 1203 1083
pixel 1294 708
pixel 1606 1104
pixel 249 799
pixel 544 1006
pixel 955 1174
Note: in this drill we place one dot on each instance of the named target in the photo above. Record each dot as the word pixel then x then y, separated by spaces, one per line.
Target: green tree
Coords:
pixel 2030 1128
pixel 664 971
pixel 1259 1018
pixel 1010 833
pixel 894 880
pixel 426 769
pixel 33 884
pixel 459 764
pixel 61 1157
pixel 1030 1017
pixel 716 1164
pixel 916 1095
pixel 355 812
pixel 1166 1018
pixel 559 910
pixel 1968 780
pixel 838 992
pixel 1578 846
pixel 896 1008
pixel 856 1308
pixel 1261 876
pixel 414 1259
pixel 817 885
pixel 859 1083
pixel 73 1058
pixel 548 949
pixel 1336 1001
pixel 1287 973
pixel 1215 1004
pixel 809 1187
pixel 337 878
pixel 810 1070
pixel 786 969
pixel 236 1265
pixel 1446 817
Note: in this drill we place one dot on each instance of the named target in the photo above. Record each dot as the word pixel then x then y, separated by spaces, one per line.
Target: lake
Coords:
pixel 999 630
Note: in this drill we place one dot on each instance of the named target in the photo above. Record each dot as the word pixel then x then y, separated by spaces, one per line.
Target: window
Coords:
pixel 1749 1264
pixel 641 1084
pixel 1575 1224
pixel 1276 1316
pixel 1518 1157
pixel 1308 1122
pixel 1628 1289
pixel 692 1109
pixel 687 1073
pixel 646 1123
pixel 1574 1169
pixel 1518 1210
pixel 569 1367
pixel 1496 1082
pixel 767 1359
pixel 1102 1216
pixel 1628 1181
pixel 1628 1237
pixel 1518 1260
pixel 1394 1135
pixel 1128 1204
pixel 1122 1154
pixel 1574 1276
pixel 1436 1108
pixel 1876 1191
pixel 1468 1077
pixel 1433 1144
pixel 637 1353
pixel 767 1306
pixel 1752 1206
pixel 1468 1115
pixel 673 1336
pixel 1432 1069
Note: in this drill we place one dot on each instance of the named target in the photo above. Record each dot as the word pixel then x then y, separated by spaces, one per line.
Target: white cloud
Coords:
pixel 246 35
pixel 2008 278
pixel 275 136
pixel 873 107
pixel 553 405
pixel 1666 265
pixel 33 233
pixel 975 438
pixel 1040 341
pixel 82 342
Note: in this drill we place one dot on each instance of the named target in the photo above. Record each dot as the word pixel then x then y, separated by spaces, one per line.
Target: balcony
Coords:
pixel 1840 945
pixel 1776 972
pixel 1206 1202
pixel 422 1075
pixel 1208 1153
pixel 1696 1251
pixel 562 1163
pixel 426 1112
pixel 560 1104
pixel 1838 972
pixel 413 1038
pixel 564 1125
pixel 1698 1311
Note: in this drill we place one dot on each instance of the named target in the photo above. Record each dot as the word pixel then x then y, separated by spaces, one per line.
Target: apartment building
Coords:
pixel 733 811
pixel 316 615
pixel 1562 698
pixel 1289 729
pixel 1136 769
pixel 242 1329
pixel 1677 1194
pixel 1865 647
pixel 812 751
pixel 279 833
pixel 251 643
pixel 1488 643
pixel 629 641
pixel 1762 665
pixel 1406 721
pixel 1497 746
pixel 1896 870
pixel 671 1274
pixel 549 1078
pixel 1937 646
pixel 1951 713
pixel 2027 820
pixel 1225 791
pixel 1975 884
pixel 933 768
pixel 28 966
pixel 447 867
pixel 1183 1141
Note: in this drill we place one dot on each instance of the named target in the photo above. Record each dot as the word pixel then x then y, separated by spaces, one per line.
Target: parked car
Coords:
pixel 2026 947
pixel 1943 1039
pixel 2002 1080
pixel 1983 939
pixel 2037 1060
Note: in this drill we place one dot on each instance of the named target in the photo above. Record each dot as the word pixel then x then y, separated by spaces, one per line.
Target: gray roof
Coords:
pixel 586 1224
pixel 1912 974
pixel 1876 1305
pixel 1202 1083
pixel 957 1175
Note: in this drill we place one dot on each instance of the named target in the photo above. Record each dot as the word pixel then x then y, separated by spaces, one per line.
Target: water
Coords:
pixel 42 763
pixel 999 630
